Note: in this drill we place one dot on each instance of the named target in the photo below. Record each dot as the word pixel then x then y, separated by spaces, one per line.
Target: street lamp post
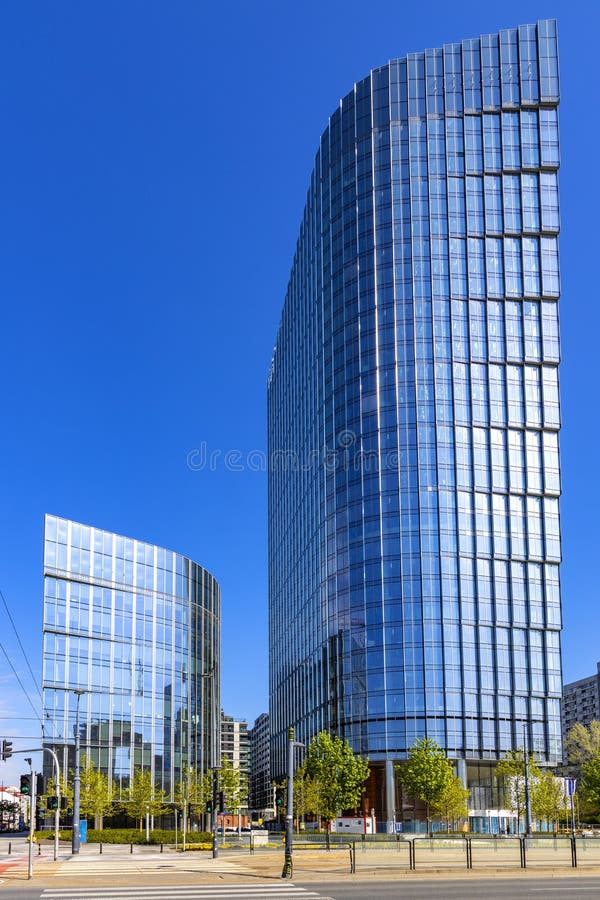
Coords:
pixel 527 791
pixel 75 839
pixel 57 799
pixel 215 764
pixel 288 865
pixel 32 781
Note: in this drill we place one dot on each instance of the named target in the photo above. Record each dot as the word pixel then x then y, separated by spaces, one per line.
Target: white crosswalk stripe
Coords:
pixel 158 865
pixel 287 891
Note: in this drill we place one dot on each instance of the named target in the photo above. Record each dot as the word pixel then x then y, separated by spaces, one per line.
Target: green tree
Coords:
pixel 9 811
pixel 511 773
pixel 548 801
pixel 583 743
pixel 590 771
pixel 337 774
pixel 426 775
pixel 192 793
pixel 234 784
pixel 144 797
pixel 452 803
pixel 95 795
pixel 307 795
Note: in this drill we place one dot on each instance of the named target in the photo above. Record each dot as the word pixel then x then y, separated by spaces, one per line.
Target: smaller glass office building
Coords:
pixel 137 629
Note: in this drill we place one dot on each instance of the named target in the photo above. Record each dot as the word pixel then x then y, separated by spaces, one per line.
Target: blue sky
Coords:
pixel 155 161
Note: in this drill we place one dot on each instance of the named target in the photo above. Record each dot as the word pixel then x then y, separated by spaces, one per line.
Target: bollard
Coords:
pixel 9 847
pixel 39 849
pixel 100 848
pixel 469 847
pixel 161 847
pixel 131 848
pixel 523 843
pixel 411 856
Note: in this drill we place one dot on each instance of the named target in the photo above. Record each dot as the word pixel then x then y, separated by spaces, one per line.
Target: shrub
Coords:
pixel 128 836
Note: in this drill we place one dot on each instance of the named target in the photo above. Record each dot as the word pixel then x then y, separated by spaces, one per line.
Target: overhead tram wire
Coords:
pixel 33 678
pixel 37 715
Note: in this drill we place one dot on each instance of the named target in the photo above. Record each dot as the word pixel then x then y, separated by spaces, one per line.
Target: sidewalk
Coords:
pixel 117 866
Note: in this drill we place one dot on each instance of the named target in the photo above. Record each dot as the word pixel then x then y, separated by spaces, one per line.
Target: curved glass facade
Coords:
pixel 413 414
pixel 137 628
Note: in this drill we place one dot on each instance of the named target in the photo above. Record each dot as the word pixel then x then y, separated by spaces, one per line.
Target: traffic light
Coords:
pixel 220 802
pixel 6 749
pixel 52 802
pixel 209 806
pixel 26 784
pixel 279 797
pixel 40 785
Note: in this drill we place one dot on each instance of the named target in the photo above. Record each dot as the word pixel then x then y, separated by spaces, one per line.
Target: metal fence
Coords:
pixel 460 852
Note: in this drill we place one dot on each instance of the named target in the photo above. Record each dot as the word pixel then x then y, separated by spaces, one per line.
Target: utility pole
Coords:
pixel 215 785
pixel 56 799
pixel 75 839
pixel 288 865
pixel 527 791
pixel 31 818
pixel 571 787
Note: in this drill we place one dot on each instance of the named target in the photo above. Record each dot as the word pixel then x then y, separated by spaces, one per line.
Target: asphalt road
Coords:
pixel 461 888
pixel 469 887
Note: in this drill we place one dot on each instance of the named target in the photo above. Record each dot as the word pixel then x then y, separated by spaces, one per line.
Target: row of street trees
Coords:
pixel 97 798
pixel 332 779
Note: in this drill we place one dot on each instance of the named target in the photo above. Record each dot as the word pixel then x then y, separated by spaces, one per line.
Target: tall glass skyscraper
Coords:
pixel 137 629
pixel 413 417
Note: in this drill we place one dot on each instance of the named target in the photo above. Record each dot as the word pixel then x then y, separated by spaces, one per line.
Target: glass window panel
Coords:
pixel 549 201
pixel 511 190
pixel 550 274
pixel 490 64
pixel 509 67
pixel 494 267
pixel 549 138
pixel 492 142
pixel 531 202
pixel 528 64
pixel 530 142
pixel 473 145
pixel 513 274
pixel 531 266
pixel 548 60
pixel 511 141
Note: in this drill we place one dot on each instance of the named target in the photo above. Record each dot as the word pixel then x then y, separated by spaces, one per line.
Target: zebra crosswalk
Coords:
pixel 157 865
pixel 269 891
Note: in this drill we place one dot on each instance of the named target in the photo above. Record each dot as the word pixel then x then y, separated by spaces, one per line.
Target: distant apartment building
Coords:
pixel 580 702
pixel 261 786
pixel 134 631
pixel 235 743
